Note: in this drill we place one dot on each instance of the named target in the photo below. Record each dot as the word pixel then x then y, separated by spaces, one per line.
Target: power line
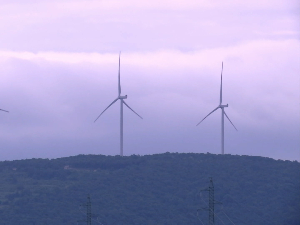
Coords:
pixel 252 211
pixel 228 217
pixel 199 218
pixel 219 218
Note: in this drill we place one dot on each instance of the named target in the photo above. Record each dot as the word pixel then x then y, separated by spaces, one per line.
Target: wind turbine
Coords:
pixel 121 98
pixel 222 115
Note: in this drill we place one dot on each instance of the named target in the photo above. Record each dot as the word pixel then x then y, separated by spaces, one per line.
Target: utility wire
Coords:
pixel 251 211
pixel 97 221
pixel 219 218
pixel 199 218
pixel 228 217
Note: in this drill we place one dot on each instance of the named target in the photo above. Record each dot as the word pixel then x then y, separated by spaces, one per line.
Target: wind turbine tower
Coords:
pixel 122 101
pixel 222 115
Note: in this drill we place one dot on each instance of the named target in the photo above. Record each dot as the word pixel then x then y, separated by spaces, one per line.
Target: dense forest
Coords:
pixel 152 189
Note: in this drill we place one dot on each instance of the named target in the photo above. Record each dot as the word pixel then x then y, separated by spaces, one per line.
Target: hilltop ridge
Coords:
pixel 151 189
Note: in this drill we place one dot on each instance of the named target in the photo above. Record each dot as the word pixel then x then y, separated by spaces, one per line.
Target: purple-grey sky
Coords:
pixel 59 66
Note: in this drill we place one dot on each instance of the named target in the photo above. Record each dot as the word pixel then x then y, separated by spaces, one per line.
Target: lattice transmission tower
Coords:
pixel 88 211
pixel 211 203
pixel 88 206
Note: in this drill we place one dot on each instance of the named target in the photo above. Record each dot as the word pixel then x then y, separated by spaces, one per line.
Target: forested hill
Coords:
pixel 152 189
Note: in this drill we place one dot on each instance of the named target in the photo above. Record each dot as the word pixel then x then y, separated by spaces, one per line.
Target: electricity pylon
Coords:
pixel 211 203
pixel 88 206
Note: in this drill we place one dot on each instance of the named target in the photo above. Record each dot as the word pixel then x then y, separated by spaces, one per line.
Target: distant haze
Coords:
pixel 59 67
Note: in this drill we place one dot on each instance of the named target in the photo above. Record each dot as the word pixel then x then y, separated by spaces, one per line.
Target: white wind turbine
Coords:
pixel 222 115
pixel 121 110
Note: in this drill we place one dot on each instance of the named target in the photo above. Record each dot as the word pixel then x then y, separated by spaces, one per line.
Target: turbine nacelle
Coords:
pixel 223 106
pixel 122 97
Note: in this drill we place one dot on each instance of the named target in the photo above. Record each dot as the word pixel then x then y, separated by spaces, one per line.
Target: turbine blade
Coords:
pixel 221 85
pixel 229 119
pixel 208 115
pixel 119 86
pixel 4 110
pixel 132 109
pixel 106 109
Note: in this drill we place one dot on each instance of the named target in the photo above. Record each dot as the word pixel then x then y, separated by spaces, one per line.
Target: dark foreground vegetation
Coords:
pixel 151 189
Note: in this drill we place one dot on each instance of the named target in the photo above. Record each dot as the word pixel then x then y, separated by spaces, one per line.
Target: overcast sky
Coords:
pixel 59 68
